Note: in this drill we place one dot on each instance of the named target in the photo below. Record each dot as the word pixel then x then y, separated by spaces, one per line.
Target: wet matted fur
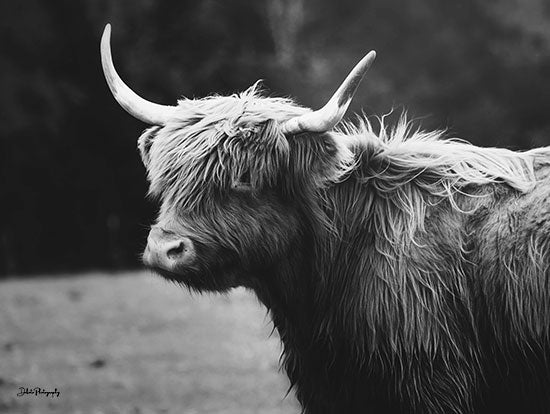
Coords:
pixel 404 272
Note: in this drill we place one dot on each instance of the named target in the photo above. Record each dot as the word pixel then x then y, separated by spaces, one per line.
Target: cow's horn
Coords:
pixel 134 104
pixel 328 116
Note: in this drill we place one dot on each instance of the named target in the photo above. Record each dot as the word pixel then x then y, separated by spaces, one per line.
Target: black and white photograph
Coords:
pixel 275 207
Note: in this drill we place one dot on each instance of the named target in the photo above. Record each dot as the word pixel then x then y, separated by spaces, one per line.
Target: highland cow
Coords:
pixel 404 272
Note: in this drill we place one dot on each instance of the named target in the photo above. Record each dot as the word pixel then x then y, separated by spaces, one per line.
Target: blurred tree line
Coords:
pixel 72 183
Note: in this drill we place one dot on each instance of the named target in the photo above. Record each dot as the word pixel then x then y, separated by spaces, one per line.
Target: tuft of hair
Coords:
pixel 211 143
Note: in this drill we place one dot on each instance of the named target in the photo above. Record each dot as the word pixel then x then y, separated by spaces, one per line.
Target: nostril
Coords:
pixel 177 249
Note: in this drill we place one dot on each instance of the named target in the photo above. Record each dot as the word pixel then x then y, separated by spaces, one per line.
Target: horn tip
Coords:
pixel 105 44
pixel 370 56
pixel 107 31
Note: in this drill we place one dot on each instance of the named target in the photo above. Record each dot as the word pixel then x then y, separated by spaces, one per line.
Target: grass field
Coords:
pixel 133 343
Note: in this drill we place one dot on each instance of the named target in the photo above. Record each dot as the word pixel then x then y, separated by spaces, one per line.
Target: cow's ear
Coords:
pixel 320 158
pixel 144 143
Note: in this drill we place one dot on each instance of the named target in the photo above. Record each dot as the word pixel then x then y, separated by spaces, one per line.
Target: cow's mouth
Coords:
pixel 218 279
pixel 169 275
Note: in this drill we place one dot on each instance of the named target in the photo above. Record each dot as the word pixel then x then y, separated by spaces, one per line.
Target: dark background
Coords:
pixel 72 185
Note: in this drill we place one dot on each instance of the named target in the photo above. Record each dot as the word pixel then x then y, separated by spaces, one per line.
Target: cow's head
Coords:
pixel 232 175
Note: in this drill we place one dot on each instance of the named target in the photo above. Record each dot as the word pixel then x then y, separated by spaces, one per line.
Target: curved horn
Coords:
pixel 329 115
pixel 135 105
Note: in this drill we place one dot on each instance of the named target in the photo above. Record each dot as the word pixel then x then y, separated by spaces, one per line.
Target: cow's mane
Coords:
pixel 409 154
pixel 408 170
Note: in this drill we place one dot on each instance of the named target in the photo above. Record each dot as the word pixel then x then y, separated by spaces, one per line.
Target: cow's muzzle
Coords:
pixel 168 251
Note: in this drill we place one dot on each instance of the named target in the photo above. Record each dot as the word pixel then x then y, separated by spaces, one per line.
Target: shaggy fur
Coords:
pixel 404 273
